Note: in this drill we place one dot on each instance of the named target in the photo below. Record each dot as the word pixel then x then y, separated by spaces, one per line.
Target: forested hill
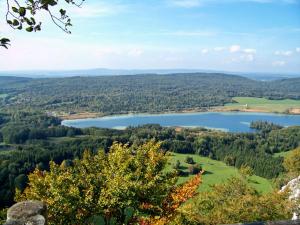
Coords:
pixel 139 93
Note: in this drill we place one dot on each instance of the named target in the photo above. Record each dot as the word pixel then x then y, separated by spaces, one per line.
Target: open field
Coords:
pixel 264 105
pixel 283 154
pixel 217 172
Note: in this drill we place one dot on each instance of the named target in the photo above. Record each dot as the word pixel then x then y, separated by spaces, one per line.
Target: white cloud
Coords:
pixel 279 63
pixel 248 58
pixel 204 51
pixel 249 51
pixel 219 49
pixel 298 50
pixel 283 53
pixel 234 48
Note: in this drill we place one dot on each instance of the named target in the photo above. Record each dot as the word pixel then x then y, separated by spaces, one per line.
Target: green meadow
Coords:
pixel 263 104
pixel 283 154
pixel 216 172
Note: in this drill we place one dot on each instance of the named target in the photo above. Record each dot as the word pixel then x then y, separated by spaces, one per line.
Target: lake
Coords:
pixel 225 121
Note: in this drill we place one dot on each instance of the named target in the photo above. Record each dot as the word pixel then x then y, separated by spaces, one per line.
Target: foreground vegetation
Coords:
pixel 129 185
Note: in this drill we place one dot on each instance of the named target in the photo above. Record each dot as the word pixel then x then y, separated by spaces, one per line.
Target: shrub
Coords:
pixel 195 169
pixel 189 160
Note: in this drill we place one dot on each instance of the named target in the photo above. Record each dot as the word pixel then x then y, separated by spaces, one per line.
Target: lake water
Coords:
pixel 228 121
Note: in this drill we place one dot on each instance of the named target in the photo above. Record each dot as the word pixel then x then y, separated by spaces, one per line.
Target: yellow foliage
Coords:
pixel 102 184
pixel 176 198
pixel 292 162
pixel 235 202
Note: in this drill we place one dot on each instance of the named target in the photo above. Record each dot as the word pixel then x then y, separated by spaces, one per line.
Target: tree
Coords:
pixel 235 202
pixel 189 160
pixel 292 162
pixel 105 184
pixel 195 169
pixel 246 171
pixel 21 181
pixel 172 203
pixel 21 15
pixel 176 165
pixel 229 160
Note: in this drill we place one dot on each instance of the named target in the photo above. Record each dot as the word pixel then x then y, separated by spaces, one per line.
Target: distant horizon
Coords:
pixel 152 70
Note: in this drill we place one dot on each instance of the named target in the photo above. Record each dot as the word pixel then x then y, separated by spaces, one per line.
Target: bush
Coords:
pixel 195 169
pixel 189 160
pixel 235 202
pixel 176 166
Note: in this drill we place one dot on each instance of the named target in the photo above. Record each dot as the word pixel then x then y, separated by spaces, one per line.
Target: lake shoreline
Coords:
pixel 93 115
pixel 228 121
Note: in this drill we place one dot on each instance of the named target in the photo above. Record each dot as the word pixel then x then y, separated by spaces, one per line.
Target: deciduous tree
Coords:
pixel 235 202
pixel 105 184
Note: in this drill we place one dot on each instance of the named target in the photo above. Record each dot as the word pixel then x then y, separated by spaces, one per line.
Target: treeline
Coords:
pixel 21 127
pixel 20 155
pixel 264 126
pixel 140 93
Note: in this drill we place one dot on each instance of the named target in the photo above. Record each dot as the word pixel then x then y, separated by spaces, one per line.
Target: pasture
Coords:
pixel 263 105
pixel 216 172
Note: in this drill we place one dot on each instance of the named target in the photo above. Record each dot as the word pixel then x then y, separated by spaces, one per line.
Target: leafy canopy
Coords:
pixel 292 162
pixel 235 202
pixel 104 184
pixel 22 15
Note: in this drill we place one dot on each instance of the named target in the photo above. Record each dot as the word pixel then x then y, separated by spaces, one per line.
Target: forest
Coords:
pixel 32 140
pixel 139 93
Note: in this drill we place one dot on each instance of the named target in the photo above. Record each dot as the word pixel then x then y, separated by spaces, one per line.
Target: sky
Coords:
pixel 225 35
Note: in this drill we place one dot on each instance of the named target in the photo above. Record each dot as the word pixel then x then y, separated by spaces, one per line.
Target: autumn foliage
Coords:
pixel 117 186
pixel 176 198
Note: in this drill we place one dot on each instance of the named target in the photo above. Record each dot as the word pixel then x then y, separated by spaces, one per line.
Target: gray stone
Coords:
pixel 27 213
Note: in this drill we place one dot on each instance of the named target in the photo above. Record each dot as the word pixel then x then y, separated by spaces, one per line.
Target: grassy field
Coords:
pixel 217 172
pixel 283 154
pixel 262 104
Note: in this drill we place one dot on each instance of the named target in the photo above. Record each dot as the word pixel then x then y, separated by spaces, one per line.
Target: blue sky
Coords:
pixel 231 35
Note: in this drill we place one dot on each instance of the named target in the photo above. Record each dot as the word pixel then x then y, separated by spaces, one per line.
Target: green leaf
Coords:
pixel 97 220
pixel 128 212
pixel 28 21
pixel 15 22
pixel 15 9
pixel 29 29
pixel 49 2
pixel 33 20
pixel 62 12
pixel 9 22
pixel 22 11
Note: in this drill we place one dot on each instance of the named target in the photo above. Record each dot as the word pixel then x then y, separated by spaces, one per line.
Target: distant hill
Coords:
pixel 140 93
pixel 113 72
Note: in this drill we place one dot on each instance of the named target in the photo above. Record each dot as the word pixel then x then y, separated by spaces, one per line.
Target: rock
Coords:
pixel 294 186
pixel 27 213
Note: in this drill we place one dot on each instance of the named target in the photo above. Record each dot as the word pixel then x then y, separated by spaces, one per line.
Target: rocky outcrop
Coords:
pixel 27 213
pixel 294 186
